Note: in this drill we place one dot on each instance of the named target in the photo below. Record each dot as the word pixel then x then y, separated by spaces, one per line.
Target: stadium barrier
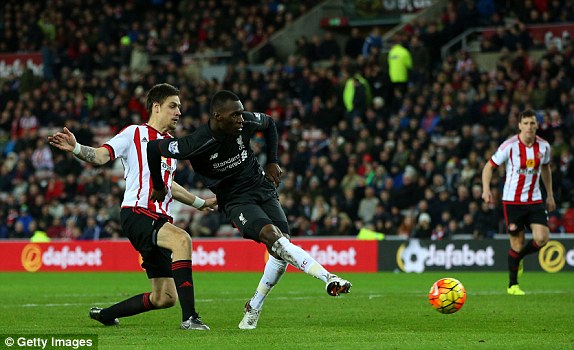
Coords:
pixel 470 255
pixel 338 255
pixel 208 255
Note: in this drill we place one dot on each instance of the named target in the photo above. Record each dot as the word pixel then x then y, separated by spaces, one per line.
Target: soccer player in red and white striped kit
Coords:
pixel 164 247
pixel 527 157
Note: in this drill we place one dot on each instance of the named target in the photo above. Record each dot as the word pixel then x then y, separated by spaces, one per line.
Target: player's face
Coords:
pixel 169 112
pixel 528 127
pixel 230 118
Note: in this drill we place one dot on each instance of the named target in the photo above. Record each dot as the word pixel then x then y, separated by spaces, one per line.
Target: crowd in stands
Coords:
pixel 357 149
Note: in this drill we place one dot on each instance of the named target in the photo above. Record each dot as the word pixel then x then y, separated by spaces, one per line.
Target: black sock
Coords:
pixel 529 248
pixel 513 262
pixel 182 276
pixel 129 307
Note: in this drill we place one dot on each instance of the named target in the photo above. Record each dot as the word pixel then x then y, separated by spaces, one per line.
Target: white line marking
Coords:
pixel 313 297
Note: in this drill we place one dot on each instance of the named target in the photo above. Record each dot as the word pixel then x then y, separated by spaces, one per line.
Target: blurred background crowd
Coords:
pixel 362 143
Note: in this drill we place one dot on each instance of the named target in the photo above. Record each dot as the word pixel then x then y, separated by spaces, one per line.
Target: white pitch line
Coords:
pixel 369 296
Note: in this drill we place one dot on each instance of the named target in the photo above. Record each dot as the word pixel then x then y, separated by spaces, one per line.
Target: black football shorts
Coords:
pixel 142 232
pixel 250 211
pixel 523 215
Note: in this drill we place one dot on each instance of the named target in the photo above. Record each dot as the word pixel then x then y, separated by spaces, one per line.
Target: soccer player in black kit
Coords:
pixel 221 155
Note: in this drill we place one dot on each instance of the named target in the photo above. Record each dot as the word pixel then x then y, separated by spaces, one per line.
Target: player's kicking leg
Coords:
pixel 299 258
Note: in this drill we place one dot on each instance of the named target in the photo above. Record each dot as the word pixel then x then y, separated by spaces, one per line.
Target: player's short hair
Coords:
pixel 220 98
pixel 159 93
pixel 527 113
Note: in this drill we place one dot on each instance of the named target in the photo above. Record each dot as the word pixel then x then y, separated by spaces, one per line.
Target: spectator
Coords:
pixel 568 220
pixel 420 62
pixel 92 231
pixel 328 48
pixel 373 43
pixel 367 206
pixel 423 229
pixel 354 43
pixel 400 65
pixel 406 227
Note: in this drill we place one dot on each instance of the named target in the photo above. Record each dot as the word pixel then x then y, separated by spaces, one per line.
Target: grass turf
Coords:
pixel 383 311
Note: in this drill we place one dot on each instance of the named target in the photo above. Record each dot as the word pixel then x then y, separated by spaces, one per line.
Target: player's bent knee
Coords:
pixel 179 239
pixel 269 234
pixel 174 238
pixel 540 235
pixel 183 239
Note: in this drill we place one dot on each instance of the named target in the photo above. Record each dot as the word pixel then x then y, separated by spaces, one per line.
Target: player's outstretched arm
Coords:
pixel 182 195
pixel 66 141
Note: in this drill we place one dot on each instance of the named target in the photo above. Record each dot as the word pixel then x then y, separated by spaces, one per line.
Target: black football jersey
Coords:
pixel 226 164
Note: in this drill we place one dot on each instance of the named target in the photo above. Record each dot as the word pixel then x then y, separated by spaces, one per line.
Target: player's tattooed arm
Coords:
pixel 96 156
pixel 87 154
pixel 66 141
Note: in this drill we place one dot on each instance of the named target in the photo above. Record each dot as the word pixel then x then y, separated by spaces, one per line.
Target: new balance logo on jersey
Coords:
pixel 242 219
pixel 144 140
pixel 257 116
pixel 213 156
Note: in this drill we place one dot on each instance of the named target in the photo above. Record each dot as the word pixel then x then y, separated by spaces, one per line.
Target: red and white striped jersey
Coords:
pixel 130 145
pixel 523 168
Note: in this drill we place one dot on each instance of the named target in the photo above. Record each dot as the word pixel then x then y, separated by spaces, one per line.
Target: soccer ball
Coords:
pixel 447 295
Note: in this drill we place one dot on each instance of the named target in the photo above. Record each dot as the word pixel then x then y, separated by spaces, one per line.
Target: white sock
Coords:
pixel 274 270
pixel 299 258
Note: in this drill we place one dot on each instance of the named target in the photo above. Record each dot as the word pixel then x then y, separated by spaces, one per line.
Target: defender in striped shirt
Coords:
pixel 164 247
pixel 527 159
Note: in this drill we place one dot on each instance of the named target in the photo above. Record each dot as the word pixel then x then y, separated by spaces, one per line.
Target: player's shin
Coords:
pixel 299 258
pixel 529 248
pixel 129 307
pixel 513 263
pixel 182 276
pixel 274 270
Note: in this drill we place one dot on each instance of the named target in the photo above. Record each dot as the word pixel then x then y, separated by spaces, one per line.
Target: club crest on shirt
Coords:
pixel 539 155
pixel 173 147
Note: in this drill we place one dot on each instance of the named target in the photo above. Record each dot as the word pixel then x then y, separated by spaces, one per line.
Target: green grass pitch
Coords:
pixel 383 311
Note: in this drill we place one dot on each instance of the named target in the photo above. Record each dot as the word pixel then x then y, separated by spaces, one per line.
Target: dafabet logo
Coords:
pixel 33 257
